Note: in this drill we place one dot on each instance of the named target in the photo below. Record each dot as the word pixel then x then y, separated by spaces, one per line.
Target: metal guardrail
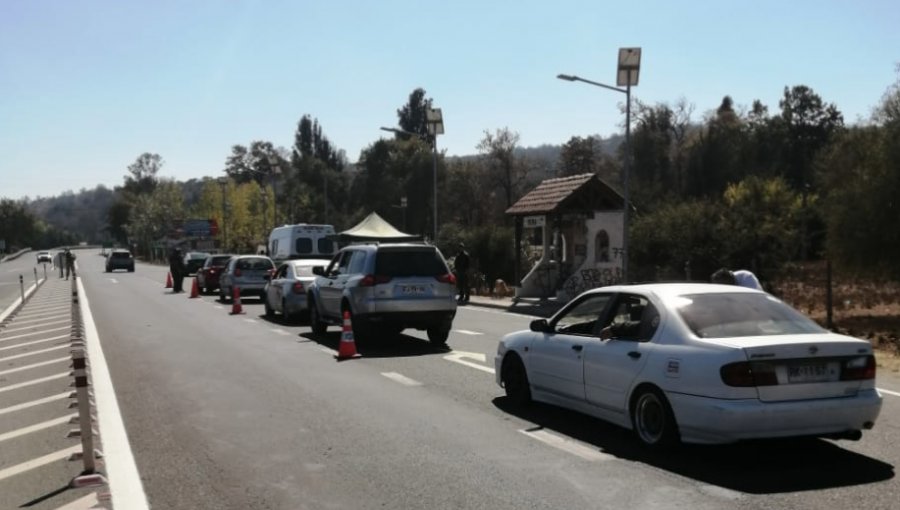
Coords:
pixel 14 256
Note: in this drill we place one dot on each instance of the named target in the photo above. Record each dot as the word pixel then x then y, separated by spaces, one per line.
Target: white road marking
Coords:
pixel 217 307
pixel 402 379
pixel 86 503
pixel 467 332
pixel 280 331
pixel 36 427
pixel 33 342
pixel 33 382
pixel 113 280
pixel 34 365
pixel 498 312
pixel 567 445
pixel 124 481
pixel 458 357
pixel 326 350
pixel 889 392
pixel 252 321
pixel 38 462
pixel 41 319
pixel 23 335
pixel 26 405
pixel 33 353
pixel 58 321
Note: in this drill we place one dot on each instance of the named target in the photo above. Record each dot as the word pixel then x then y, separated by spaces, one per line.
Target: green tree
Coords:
pixel 497 151
pixel 17 225
pixel 412 116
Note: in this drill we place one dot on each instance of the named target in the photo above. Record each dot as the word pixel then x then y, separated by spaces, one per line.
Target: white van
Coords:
pixel 301 241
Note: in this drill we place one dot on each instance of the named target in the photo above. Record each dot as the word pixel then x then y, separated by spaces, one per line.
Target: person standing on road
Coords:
pixel 178 270
pixel 741 277
pixel 69 258
pixel 461 265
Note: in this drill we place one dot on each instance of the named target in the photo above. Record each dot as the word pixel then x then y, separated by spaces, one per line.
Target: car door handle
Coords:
pixel 634 354
pixel 577 348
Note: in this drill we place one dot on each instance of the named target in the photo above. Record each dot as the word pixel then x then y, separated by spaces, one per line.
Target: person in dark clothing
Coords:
pixel 178 270
pixel 461 265
pixel 70 263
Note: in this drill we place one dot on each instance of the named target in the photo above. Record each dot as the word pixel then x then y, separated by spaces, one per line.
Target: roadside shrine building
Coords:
pixel 569 234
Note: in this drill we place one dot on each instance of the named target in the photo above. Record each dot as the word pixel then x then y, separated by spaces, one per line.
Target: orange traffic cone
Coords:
pixel 169 280
pixel 236 307
pixel 347 347
pixel 195 289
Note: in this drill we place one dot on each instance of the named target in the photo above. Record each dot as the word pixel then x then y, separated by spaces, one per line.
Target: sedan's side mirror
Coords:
pixel 540 326
pixel 319 270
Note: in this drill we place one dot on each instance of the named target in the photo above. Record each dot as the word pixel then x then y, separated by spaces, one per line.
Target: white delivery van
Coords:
pixel 301 241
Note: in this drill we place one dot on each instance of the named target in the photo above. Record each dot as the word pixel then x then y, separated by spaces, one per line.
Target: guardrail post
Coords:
pixel 45 270
pixel 22 288
pixel 35 278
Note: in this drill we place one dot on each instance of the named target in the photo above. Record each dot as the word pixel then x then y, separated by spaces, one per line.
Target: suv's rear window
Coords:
pixel 120 255
pixel 255 264
pixel 414 262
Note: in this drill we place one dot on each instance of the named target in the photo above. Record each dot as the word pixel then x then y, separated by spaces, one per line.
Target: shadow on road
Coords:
pixel 755 467
pixel 386 346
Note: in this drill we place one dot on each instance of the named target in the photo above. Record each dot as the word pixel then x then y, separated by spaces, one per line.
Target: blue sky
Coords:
pixel 87 86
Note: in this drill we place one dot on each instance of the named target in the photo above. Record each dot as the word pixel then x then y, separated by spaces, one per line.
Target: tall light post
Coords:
pixel 435 121
pixel 274 172
pixel 627 74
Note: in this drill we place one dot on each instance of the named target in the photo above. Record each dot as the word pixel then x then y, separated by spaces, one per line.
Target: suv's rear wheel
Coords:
pixel 438 335
pixel 315 320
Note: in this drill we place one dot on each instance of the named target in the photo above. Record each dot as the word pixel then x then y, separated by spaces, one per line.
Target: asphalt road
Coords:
pixel 242 412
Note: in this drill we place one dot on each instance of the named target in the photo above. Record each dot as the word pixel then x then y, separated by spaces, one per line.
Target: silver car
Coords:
pixel 248 273
pixel 386 288
pixel 286 291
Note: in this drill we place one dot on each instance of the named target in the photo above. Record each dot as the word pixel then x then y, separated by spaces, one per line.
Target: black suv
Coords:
pixel 120 259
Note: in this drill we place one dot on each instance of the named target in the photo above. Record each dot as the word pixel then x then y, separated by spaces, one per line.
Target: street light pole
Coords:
pixel 223 183
pixel 626 76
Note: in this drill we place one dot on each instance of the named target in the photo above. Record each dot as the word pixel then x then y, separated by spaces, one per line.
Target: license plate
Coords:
pixel 411 290
pixel 811 372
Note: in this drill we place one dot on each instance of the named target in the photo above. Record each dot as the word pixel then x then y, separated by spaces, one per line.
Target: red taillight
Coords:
pixel 446 278
pixel 237 271
pixel 297 288
pixel 746 374
pixel 371 280
pixel 859 369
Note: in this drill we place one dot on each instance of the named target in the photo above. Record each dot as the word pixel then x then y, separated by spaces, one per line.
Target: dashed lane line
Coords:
pixel 33 382
pixel 34 365
pixel 280 331
pixel 251 321
pixel 86 503
pixel 326 350
pixel 467 332
pixel 36 427
pixel 400 378
pixel 38 462
pixel 23 335
pixel 889 392
pixel 34 342
pixel 33 403
pixel 567 445
pixel 34 353
pixel 459 357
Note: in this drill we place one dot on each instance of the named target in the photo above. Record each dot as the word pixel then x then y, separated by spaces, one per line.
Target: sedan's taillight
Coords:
pixel 297 288
pixel 859 369
pixel 446 278
pixel 371 280
pixel 748 374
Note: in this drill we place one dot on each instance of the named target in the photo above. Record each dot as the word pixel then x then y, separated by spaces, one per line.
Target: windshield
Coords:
pixel 742 314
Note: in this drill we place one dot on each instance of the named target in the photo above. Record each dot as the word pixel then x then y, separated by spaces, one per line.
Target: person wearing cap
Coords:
pixel 741 277
pixel 461 265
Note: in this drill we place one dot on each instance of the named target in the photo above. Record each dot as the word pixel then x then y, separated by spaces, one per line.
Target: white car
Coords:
pixel 699 363
pixel 44 256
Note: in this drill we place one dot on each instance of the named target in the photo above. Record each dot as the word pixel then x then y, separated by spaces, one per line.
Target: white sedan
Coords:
pixel 699 363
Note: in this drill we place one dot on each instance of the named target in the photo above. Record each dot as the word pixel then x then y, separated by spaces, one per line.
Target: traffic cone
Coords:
pixel 195 289
pixel 169 280
pixel 236 308
pixel 347 347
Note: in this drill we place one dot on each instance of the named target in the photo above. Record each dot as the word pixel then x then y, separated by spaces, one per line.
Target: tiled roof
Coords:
pixel 550 194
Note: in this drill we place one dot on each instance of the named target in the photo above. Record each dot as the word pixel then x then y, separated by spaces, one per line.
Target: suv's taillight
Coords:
pixel 371 280
pixel 749 374
pixel 237 271
pixel 297 288
pixel 858 369
pixel 446 278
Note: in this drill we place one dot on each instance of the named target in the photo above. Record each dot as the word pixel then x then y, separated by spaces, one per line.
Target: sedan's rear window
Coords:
pixel 415 262
pixel 219 261
pixel 725 315
pixel 255 264
pixel 120 255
